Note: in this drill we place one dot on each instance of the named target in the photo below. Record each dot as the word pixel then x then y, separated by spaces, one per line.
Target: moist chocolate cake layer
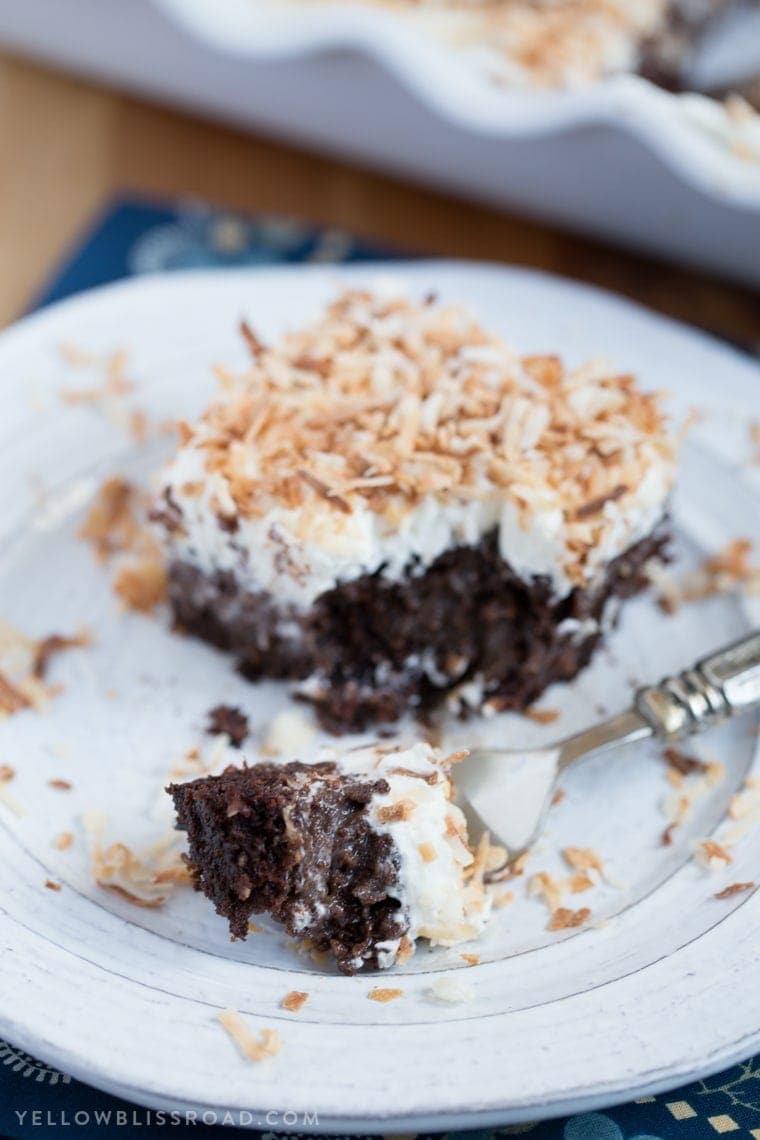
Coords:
pixel 373 648
pixel 294 841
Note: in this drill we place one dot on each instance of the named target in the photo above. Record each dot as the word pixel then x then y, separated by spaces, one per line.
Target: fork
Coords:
pixel 508 793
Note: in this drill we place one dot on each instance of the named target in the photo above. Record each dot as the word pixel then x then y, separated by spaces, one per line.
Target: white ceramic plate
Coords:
pixel 125 998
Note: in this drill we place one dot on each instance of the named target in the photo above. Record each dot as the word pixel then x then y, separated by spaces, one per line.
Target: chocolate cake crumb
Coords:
pixel 681 762
pixel 229 720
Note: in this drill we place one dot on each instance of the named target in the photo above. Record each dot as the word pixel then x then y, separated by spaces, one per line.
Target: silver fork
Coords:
pixel 508 793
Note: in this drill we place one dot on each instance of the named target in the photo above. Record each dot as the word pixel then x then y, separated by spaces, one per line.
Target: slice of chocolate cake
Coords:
pixel 395 509
pixel 358 855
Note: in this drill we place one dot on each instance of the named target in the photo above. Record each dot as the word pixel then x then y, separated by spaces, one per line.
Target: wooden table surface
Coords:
pixel 67 146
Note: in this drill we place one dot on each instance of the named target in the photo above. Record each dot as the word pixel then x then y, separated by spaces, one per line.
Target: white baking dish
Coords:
pixel 621 160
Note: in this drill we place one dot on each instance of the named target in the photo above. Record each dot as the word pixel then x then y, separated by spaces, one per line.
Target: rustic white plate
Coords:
pixel 126 998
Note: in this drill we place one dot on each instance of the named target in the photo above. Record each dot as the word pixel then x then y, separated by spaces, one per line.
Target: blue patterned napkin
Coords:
pixel 134 237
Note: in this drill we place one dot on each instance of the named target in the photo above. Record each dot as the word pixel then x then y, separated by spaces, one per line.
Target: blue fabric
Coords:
pixel 135 237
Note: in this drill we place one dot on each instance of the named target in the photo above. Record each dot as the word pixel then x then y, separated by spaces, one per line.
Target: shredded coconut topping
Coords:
pixel 386 405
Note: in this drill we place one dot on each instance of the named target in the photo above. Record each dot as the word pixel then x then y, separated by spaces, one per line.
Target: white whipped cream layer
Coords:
pixel 439 901
pixel 295 558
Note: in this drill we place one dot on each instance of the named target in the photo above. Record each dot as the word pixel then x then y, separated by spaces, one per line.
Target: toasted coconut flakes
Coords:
pixel 141 583
pixel 383 995
pixel 12 699
pixel 396 813
pixel 576 884
pixel 451 989
pixel 384 401
pixel 295 1000
pixel 111 524
pixel 712 855
pixel 543 886
pixel 428 852
pixel 52 886
pixel 56 643
pixel 255 345
pixel 64 840
pixel 405 950
pixel 735 889
pixel 583 859
pixel 60 785
pixel 267 1045
pixel 470 959
pixel 727 571
pixel 504 899
pixel 564 919
pixel 542 716
pixel 144 878
pixel 455 757
pixel 6 773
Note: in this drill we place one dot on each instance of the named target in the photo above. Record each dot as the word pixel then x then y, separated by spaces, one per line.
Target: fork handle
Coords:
pixel 717 687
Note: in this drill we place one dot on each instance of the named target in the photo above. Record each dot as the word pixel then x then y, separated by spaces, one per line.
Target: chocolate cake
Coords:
pixel 392 510
pixel 358 855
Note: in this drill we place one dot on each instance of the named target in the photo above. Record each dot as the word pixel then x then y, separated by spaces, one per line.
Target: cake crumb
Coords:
pixel 558 797
pixel 735 889
pixel 64 840
pixel 451 989
pixel 470 959
pixel 564 919
pixel 295 1000
pixel 253 928
pixel 267 1045
pixel 6 773
pixel 682 763
pixel 229 720
pixel 60 785
pixel 384 995
pixel 51 885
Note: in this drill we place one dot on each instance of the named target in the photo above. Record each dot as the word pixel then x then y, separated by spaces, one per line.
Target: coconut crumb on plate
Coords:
pixel 267 1045
pixel 295 1000
pixel 384 994
pixel 451 989
pixel 712 856
pixel 565 919
pixel 51 885
pixel 64 840
pixel 144 878
pixel 735 889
